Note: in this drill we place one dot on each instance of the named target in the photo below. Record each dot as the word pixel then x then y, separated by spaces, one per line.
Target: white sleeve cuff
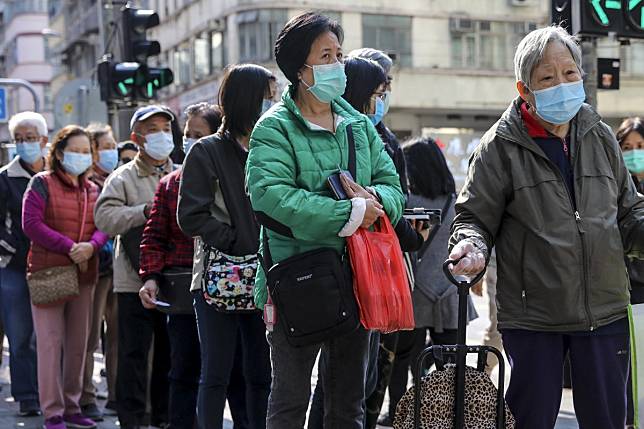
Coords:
pixel 358 209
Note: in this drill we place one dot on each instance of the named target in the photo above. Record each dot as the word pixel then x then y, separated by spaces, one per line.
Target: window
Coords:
pixel 258 30
pixel 389 33
pixel 181 64
pixel 487 45
pixel 217 53
pixel 201 52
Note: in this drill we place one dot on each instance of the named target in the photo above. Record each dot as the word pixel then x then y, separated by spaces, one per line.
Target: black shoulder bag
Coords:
pixel 312 291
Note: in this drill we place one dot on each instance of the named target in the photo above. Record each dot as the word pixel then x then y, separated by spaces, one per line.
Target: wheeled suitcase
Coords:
pixel 453 392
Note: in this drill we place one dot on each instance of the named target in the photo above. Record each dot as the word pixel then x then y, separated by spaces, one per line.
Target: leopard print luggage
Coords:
pixel 437 402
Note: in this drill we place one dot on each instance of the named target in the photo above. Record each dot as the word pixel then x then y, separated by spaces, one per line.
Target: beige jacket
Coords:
pixel 121 208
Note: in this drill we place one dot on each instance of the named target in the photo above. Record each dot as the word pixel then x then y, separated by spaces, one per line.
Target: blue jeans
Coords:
pixel 19 328
pixel 219 333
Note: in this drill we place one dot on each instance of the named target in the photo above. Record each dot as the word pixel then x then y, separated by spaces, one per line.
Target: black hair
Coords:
pixel 240 96
pixel 210 113
pixel 363 78
pixel 294 42
pixel 628 126
pixel 427 169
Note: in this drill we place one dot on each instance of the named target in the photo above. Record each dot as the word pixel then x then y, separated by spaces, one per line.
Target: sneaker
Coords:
pixel 79 421
pixel 29 409
pixel 92 411
pixel 55 422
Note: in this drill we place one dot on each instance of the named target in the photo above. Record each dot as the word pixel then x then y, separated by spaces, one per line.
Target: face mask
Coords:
pixel 386 102
pixel 29 152
pixel 559 104
pixel 634 160
pixel 380 112
pixel 45 151
pixel 159 145
pixel 266 105
pixel 108 159
pixel 76 163
pixel 187 144
pixel 330 81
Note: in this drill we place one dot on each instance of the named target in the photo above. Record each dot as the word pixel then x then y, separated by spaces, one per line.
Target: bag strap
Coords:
pixel 84 217
pixel 448 204
pixel 352 152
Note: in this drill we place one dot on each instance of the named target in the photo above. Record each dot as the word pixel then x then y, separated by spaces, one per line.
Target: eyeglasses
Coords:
pixel 27 140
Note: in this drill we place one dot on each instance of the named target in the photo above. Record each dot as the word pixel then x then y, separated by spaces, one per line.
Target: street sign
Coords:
pixel 78 102
pixel 3 105
pixel 608 73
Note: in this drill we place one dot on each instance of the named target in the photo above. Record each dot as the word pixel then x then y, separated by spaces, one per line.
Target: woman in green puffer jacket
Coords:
pixel 294 148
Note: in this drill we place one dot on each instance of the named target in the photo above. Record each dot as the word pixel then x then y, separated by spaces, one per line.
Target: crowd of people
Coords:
pixel 158 252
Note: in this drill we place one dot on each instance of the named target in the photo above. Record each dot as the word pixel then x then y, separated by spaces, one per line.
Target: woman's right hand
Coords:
pixel 372 213
pixel 473 261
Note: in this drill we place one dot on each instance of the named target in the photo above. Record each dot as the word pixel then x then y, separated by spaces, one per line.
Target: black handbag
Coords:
pixel 131 242
pixel 175 290
pixel 312 291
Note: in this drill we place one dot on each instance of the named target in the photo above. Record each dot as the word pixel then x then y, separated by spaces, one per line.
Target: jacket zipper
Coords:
pixel 580 230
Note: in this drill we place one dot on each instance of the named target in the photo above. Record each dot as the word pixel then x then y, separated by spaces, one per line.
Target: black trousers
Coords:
pixel 137 327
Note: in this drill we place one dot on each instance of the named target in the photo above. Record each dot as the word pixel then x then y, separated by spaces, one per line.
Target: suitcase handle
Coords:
pixel 463 283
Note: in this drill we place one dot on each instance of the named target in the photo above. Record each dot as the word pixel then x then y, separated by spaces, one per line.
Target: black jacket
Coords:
pixel 14 178
pixel 213 169
pixel 636 266
pixel 410 240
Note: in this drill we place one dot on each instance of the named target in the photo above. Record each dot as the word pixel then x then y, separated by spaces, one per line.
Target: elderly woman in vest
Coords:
pixel 58 219
pixel 549 189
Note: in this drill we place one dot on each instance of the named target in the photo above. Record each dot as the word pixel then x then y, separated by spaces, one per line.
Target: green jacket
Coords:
pixel 559 269
pixel 287 169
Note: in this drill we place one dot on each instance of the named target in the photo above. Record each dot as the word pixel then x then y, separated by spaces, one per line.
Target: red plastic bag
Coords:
pixel 379 279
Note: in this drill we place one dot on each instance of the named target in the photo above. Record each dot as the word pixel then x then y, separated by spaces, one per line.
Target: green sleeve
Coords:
pixel 271 173
pixel 384 178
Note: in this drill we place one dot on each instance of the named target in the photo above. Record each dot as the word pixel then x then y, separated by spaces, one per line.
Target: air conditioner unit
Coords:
pixel 461 25
pixel 521 2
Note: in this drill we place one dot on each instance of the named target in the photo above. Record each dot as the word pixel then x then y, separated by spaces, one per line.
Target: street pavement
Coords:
pixel 9 409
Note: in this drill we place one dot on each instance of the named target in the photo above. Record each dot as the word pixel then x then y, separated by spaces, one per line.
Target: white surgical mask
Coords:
pixel 159 145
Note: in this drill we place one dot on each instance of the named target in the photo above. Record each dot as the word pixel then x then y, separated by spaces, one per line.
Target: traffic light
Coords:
pixel 625 18
pixel 135 23
pixel 132 80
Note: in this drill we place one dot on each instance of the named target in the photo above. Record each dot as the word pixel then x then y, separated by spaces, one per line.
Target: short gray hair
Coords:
pixel 29 119
pixel 530 50
pixel 380 57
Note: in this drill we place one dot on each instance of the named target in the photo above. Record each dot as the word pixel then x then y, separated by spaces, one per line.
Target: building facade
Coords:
pixel 23 55
pixel 453 76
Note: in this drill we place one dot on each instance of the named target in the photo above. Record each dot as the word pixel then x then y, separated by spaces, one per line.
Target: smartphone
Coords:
pixel 335 184
pixel 431 217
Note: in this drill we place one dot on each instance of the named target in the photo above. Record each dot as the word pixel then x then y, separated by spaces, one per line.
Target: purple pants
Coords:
pixel 599 365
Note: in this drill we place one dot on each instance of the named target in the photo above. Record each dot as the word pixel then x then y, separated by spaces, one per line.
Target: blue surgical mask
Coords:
pixel 159 145
pixel 559 104
pixel 188 143
pixel 108 159
pixel 330 81
pixel 266 105
pixel 387 100
pixel 29 152
pixel 634 160
pixel 76 163
pixel 380 112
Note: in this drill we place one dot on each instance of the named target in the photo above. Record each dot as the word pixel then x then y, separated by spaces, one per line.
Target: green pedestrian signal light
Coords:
pixel 155 79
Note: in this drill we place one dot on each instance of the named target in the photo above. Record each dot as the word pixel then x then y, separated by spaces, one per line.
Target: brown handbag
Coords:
pixel 55 285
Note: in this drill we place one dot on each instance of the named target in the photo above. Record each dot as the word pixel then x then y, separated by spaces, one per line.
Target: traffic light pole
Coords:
pixel 589 64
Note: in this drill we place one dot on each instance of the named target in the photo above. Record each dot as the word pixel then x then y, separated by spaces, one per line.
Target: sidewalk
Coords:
pixel 9 409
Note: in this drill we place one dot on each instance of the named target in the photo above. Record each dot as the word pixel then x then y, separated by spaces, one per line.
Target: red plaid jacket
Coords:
pixel 164 244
